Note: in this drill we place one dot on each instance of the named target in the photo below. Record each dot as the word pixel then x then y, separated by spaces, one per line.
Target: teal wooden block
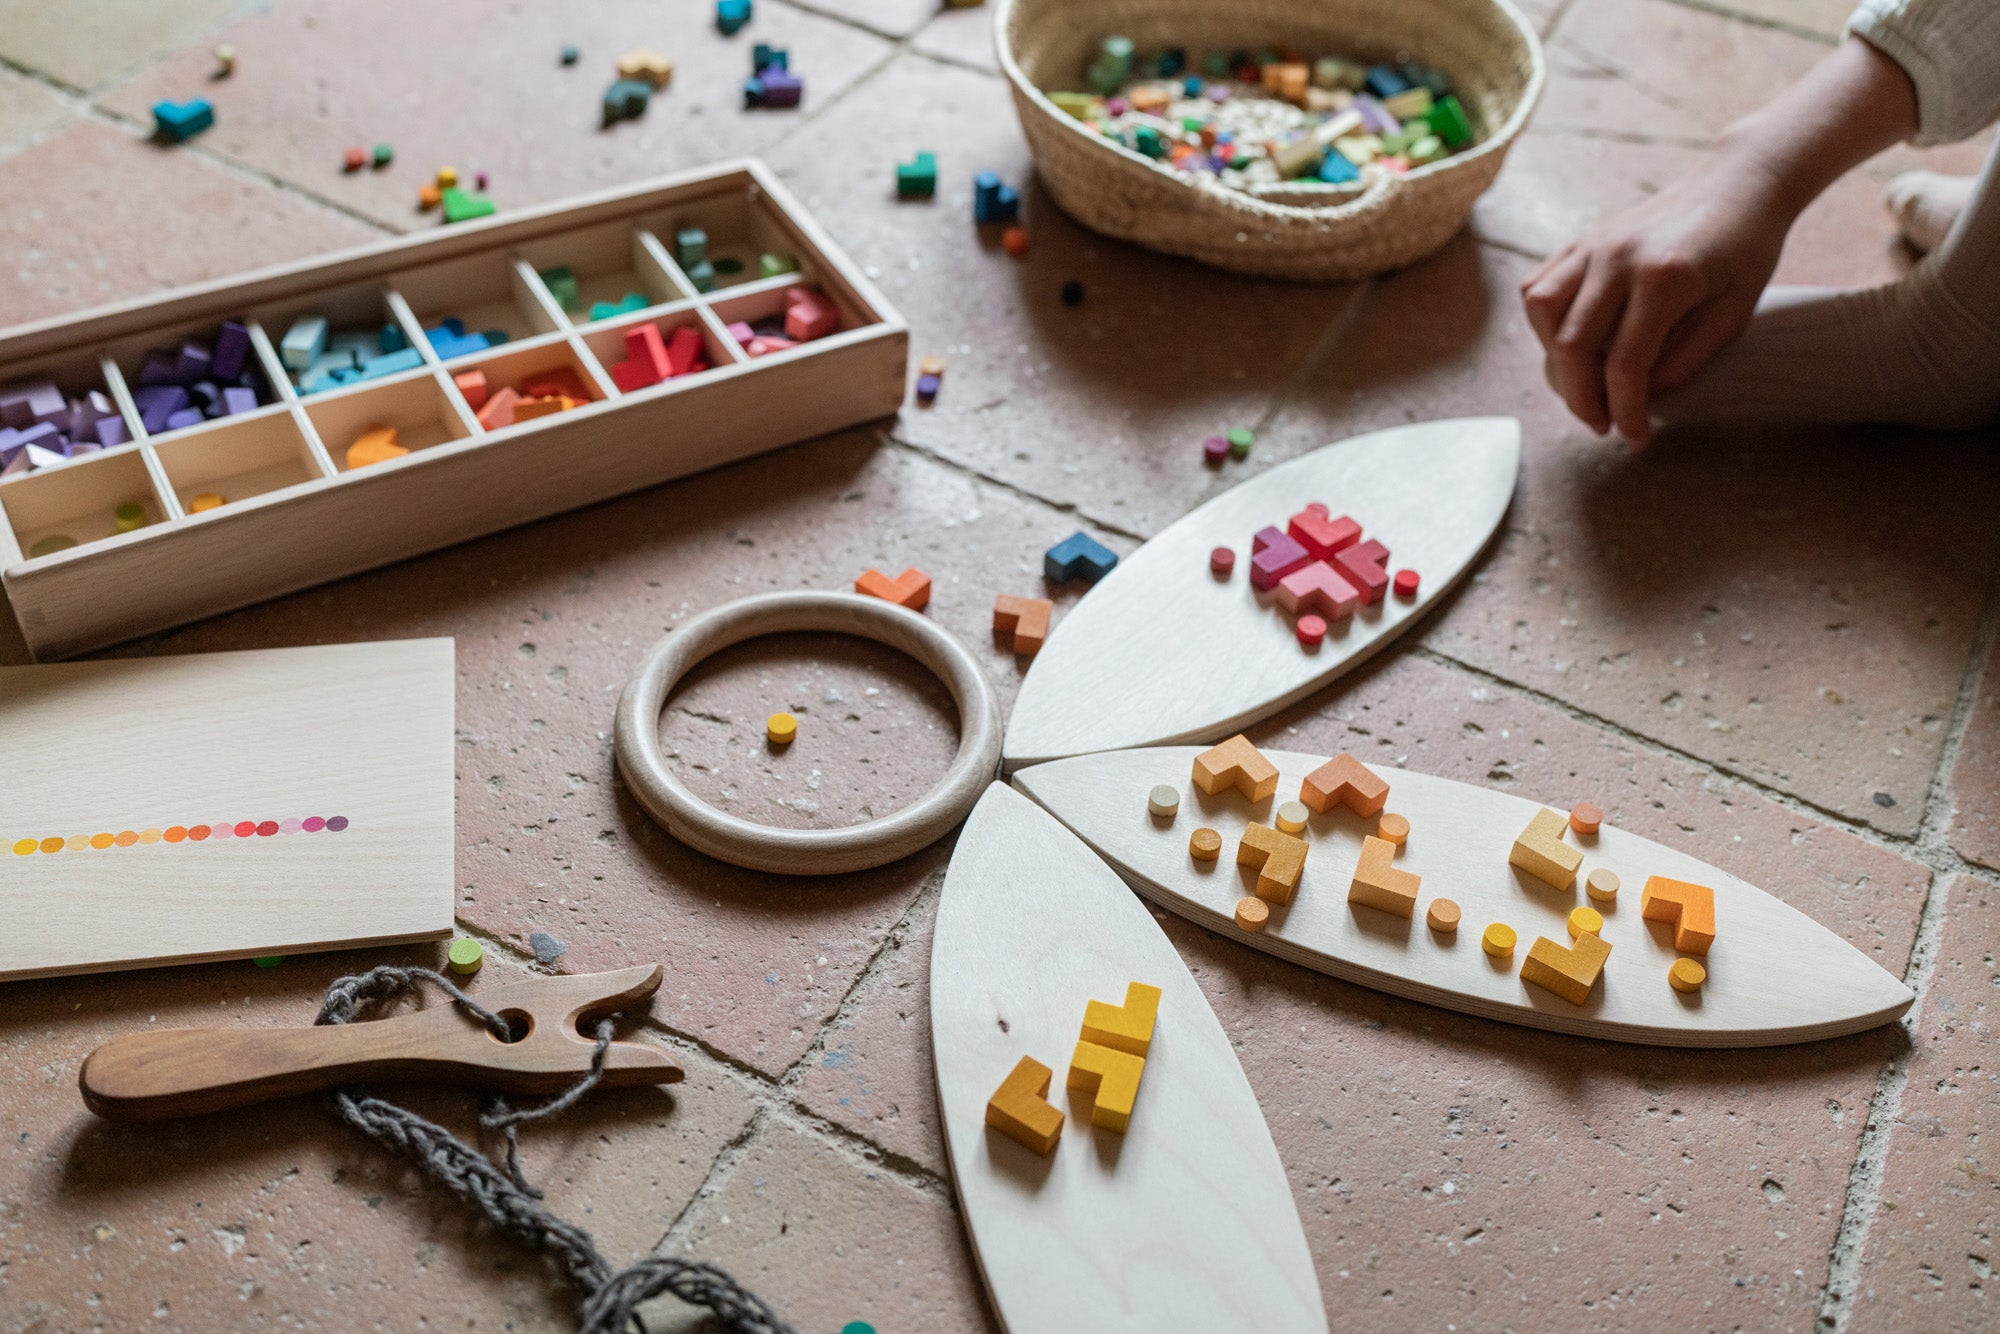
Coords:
pixel 178 122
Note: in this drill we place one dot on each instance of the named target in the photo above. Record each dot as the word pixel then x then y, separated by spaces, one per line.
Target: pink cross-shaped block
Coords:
pixel 1319 589
pixel 1273 555
pixel 1362 566
pixel 1320 535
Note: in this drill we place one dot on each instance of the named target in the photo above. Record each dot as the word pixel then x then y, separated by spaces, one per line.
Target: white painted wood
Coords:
pixel 356 730
pixel 1183 1223
pixel 1774 974
pixel 1162 651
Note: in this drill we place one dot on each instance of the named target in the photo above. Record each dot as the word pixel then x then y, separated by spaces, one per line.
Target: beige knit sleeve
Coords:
pixel 1951 51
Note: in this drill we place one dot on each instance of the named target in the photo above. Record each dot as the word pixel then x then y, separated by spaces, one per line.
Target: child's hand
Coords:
pixel 1642 301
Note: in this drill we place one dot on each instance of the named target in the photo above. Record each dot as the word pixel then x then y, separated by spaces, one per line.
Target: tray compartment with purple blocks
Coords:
pixel 251 392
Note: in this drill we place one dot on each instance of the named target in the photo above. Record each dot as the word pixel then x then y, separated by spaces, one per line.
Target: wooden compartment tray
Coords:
pixel 296 516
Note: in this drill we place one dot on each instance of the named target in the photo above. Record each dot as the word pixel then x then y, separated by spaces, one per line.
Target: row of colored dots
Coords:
pixel 196 833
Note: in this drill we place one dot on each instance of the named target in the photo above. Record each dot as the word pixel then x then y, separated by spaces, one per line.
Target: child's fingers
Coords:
pixel 1661 295
pixel 1578 346
pixel 1546 293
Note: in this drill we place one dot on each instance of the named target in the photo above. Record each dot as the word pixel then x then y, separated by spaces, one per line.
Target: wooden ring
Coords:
pixel 807 851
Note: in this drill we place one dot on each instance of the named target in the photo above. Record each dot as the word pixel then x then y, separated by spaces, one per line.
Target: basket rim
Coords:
pixel 1498 142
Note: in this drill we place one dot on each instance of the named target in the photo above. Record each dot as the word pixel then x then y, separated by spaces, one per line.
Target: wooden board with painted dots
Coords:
pixel 406 376
pixel 1770 974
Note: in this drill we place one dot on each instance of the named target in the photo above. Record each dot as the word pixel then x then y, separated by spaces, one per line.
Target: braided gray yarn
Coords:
pixel 610 1301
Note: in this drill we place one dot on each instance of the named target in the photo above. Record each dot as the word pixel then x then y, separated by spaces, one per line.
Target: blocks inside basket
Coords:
pixel 186 377
pixel 640 353
pixel 525 384
pixel 234 461
pixel 53 412
pixel 607 271
pixel 345 337
pixel 778 319
pixel 61 508
pixel 729 240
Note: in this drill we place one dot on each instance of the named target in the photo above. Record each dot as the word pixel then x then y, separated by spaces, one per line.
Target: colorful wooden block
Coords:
pixel 1344 781
pixel 1221 562
pixel 626 99
pixel 498 411
pixel 781 729
pixel 1278 858
pixel 1238 764
pixel 645 359
pixel 686 352
pixel 1585 817
pixel 1317 589
pixel 463 206
pixel 1252 913
pixel 650 66
pixel 1406 583
pixel 1127 1027
pixel 1362 566
pixel 377 444
pixel 911 588
pixel 1163 802
pixel 1111 1079
pixel 1688 908
pixel 1291 817
pixel 1393 828
pixel 1442 916
pixel 1585 921
pixel 917 178
pixel 1498 940
pixel 809 315
pixel 1541 852
pixel 993 201
pixel 1602 885
pixel 177 122
pixel 1568 973
pixel 1320 535
pixel 1020 1109
pixel 731 15
pixel 1204 844
pixel 1379 884
pixel 1078 556
pixel 1310 630
pixel 1686 976
pixel 1273 555
pixel 1022 622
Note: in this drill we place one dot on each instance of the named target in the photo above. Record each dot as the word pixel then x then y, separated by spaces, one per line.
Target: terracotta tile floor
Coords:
pixel 1773 650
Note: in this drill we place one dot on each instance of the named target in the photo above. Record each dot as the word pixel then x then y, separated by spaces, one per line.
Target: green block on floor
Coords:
pixel 917 179
pixel 460 206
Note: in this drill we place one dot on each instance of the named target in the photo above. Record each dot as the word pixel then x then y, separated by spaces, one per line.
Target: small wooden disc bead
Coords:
pixel 1252 913
pixel 1585 817
pixel 1311 630
pixel 1291 817
pixel 465 956
pixel 1163 801
pixel 1221 561
pixel 1498 940
pixel 1442 916
pixel 1602 885
pixel 1406 583
pixel 1204 845
pixel 1395 828
pixel 1686 975
pixel 1585 922
pixel 781 728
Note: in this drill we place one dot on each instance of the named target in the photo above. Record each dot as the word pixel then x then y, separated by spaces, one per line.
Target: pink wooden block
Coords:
pixel 1273 555
pixel 1318 589
pixel 1321 536
pixel 809 315
pixel 1362 566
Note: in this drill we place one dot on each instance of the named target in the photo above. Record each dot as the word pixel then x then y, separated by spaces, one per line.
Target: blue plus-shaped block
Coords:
pixel 1078 556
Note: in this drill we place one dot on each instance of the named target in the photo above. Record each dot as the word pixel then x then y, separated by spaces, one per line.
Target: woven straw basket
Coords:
pixel 1326 234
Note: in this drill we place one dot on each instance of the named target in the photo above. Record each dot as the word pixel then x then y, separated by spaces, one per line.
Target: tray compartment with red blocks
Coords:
pixel 296 515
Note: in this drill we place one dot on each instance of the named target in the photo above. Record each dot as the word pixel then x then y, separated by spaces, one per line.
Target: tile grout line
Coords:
pixel 1871 1159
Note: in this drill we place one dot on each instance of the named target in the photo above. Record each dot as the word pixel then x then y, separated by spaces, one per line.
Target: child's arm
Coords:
pixel 1643 301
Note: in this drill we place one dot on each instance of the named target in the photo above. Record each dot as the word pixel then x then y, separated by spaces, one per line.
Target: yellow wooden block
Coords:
pixel 1379 884
pixel 1498 940
pixel 1127 1027
pixel 651 66
pixel 1111 1078
pixel 1602 885
pixel 1688 908
pixel 377 444
pixel 1585 922
pixel 1291 817
pixel 1204 845
pixel 1569 973
pixel 1280 860
pixel 1541 852
pixel 781 729
pixel 1686 975
pixel 1393 827
pixel 1020 1109
pixel 1238 764
pixel 207 500
pixel 1251 913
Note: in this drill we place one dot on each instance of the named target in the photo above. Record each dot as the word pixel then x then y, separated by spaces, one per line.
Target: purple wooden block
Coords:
pixel 82 447
pixel 46 403
pixel 38 457
pixel 782 88
pixel 11 444
pixel 927 387
pixel 111 431
pixel 14 407
pixel 192 363
pixel 1374 117
pixel 43 434
pixel 236 400
pixel 206 395
pixel 87 411
pixel 184 418
pixel 158 402
pixel 1274 555
pixel 232 351
pixel 15 466
pixel 157 369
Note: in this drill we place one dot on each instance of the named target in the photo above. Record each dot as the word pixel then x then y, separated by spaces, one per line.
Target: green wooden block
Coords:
pixel 384 154
pixel 701 276
pixel 1448 122
pixel 459 206
pixel 1147 140
pixel 1081 106
pixel 917 179
pixel 1240 441
pixel 1428 148
pixel 770 266
pixel 690 245
pixel 562 286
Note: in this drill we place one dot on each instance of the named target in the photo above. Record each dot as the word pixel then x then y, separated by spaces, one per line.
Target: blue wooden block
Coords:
pixel 181 121
pixel 1385 82
pixel 391 362
pixel 992 201
pixel 731 15
pixel 1337 170
pixel 1078 556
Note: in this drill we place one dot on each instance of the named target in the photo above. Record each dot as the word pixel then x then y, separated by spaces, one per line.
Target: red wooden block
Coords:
pixel 1023 622
pixel 1317 588
pixel 911 588
pixel 1221 561
pixel 561 382
pixel 1310 630
pixel 630 375
pixel 809 315
pixel 1406 583
pixel 646 358
pixel 472 384
pixel 1363 567
pixel 1321 536
pixel 1273 555
pixel 684 349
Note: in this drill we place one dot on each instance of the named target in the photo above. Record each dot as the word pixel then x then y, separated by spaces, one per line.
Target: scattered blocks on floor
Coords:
pixel 1240 439
pixel 917 178
pixel 1078 556
pixel 626 99
pixel 1239 764
pixel 354 159
pixel 1379 884
pixel 993 201
pixel 465 956
pixel 911 588
pixel 1568 973
pixel 1022 623
pixel 1344 781
pixel 731 15
pixel 1541 852
pixel 1127 1027
pixel 1688 908
pixel 178 122
pixel 1020 1109
pixel 930 376
pixel 781 729
pixel 648 66
pixel 1111 1078
pixel 1278 858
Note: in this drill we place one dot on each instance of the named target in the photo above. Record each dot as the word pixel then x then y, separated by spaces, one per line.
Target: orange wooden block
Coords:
pixel 377 444
pixel 911 588
pixel 1252 913
pixel 530 408
pixel 1280 860
pixel 1204 845
pixel 1020 1109
pixel 429 196
pixel 1238 764
pixel 1585 817
pixel 561 382
pixel 1111 1078
pixel 1344 781
pixel 1541 852
pixel 1015 240
pixel 1688 908
pixel 1443 916
pixel 1393 827
pixel 1379 884
pixel 1023 621
pixel 498 411
pixel 1127 1027
pixel 1569 973
pixel 472 385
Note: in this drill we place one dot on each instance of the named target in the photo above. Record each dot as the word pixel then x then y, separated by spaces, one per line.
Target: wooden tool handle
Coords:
pixel 188 1071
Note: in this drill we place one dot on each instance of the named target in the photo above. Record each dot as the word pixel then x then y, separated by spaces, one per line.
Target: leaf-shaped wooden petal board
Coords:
pixel 1774 974
pixel 1183 1223
pixel 1162 651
